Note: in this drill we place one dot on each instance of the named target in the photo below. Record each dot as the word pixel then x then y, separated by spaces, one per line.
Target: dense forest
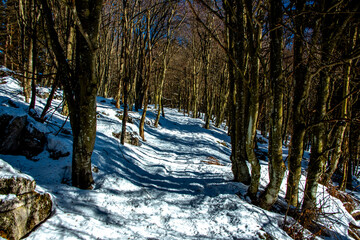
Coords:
pixel 289 69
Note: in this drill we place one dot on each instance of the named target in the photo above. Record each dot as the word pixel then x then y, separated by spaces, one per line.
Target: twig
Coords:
pixel 62 126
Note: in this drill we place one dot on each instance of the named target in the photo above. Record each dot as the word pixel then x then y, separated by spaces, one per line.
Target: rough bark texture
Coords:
pixel 339 134
pixel 148 63
pixel 126 112
pixel 276 163
pixel 143 116
pixel 301 93
pixel 235 22
pixel 80 89
pixel 317 158
pixel 344 114
pixel 125 71
pixel 83 113
pixel 332 29
pixel 254 35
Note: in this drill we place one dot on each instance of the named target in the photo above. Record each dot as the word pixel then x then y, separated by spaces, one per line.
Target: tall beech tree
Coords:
pixel 165 63
pixel 254 29
pixel 332 29
pixel 276 163
pixel 303 80
pixel 235 23
pixel 125 68
pixel 80 85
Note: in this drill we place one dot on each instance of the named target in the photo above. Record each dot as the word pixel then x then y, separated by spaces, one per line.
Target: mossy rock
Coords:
pixel 28 211
pixel 16 185
pixel 22 209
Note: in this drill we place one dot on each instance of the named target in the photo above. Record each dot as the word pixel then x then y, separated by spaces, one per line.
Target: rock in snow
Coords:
pixel 19 136
pixel 130 138
pixel 21 207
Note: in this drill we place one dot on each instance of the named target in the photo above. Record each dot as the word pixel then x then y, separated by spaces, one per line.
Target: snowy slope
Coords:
pixel 164 189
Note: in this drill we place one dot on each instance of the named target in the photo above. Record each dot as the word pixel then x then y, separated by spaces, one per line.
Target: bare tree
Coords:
pixel 276 163
pixel 80 86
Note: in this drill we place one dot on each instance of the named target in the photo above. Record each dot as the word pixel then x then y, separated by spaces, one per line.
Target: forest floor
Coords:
pixel 176 185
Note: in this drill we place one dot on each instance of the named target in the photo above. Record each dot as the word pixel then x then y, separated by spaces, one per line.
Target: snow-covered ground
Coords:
pixel 163 189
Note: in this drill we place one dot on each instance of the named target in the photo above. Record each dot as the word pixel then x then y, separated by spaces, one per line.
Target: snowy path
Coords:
pixel 161 190
pixel 164 189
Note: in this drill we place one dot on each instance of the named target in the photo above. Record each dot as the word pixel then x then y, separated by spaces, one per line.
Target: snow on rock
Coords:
pixel 7 171
pixel 21 207
pixel 13 181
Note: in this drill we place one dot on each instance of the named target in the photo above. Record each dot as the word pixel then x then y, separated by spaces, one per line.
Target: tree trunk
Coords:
pixel 80 88
pixel 207 107
pixel 123 64
pixel 224 96
pixel 341 128
pixel 195 82
pixel 29 71
pixel 50 98
pixel 143 116
pixel 332 30
pixel 162 77
pixel 354 149
pixel 236 32
pixel 70 51
pixel 25 22
pixel 251 135
pixel 318 156
pixel 147 77
pixel 276 163
pixel 301 93
pixel 162 107
pixel 139 78
pixel 83 114
pixel 254 35
pixel 126 110
pixel 125 70
pixel 34 62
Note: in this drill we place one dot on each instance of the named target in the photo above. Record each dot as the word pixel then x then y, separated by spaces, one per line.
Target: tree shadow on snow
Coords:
pixel 192 127
pixel 127 165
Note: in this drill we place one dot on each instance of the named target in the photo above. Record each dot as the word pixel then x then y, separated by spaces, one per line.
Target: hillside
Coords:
pixel 176 185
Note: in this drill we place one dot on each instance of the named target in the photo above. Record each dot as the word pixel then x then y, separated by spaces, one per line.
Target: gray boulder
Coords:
pixel 18 136
pixel 21 207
